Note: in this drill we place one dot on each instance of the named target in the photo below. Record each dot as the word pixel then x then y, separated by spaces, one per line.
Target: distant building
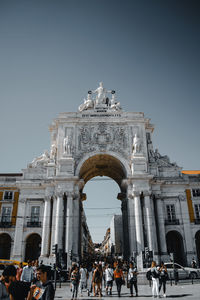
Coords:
pixel 116 235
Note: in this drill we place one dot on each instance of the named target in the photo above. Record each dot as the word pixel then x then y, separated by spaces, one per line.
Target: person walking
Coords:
pixel 119 279
pixel 163 278
pixel 19 271
pixel 155 279
pixel 132 278
pixel 83 278
pixel 97 280
pixel 28 273
pixel 109 279
pixel 75 277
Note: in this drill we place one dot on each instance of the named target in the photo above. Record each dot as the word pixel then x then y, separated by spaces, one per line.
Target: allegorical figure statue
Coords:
pixel 101 94
pixel 136 144
pixel 88 103
pixel 53 152
pixel 67 146
pixel 113 103
pixel 40 160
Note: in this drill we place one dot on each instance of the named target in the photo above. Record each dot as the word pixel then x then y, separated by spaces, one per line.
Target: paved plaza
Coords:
pixel 180 291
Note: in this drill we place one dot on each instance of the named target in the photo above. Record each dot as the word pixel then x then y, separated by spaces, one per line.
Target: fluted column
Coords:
pixel 18 239
pixel 69 224
pixel 149 221
pixel 131 222
pixel 138 223
pixel 59 220
pixel 53 223
pixel 161 226
pixel 46 227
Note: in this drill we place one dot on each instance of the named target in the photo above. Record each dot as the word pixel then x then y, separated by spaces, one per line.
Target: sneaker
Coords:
pixel 164 296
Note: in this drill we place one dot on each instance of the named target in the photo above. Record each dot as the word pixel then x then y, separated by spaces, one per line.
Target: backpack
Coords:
pixel 155 274
pixel 149 275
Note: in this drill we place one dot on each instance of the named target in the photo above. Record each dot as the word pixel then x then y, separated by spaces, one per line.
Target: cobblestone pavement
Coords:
pixel 180 291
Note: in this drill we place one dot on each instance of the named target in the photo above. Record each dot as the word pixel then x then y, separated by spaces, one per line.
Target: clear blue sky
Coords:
pixel 53 52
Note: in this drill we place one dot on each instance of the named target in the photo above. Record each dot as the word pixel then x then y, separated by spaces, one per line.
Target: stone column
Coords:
pixel 46 227
pixel 138 223
pixel 59 220
pixel 76 227
pixel 18 239
pixel 53 223
pixel 161 225
pixel 69 225
pixel 131 222
pixel 151 233
pixel 190 251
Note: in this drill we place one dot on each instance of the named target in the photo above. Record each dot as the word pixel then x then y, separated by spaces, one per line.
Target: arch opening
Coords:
pixel 33 247
pixel 5 246
pixel 103 165
pixel 175 245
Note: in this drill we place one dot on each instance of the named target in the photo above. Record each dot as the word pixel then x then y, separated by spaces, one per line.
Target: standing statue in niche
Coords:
pixel 67 146
pixel 136 144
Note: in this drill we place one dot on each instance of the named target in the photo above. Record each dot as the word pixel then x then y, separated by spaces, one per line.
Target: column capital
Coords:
pixel 146 193
pixel 47 198
pixel 59 193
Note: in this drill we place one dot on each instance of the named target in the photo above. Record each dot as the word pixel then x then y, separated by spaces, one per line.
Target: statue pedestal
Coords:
pixel 66 166
pixel 138 164
pixel 51 169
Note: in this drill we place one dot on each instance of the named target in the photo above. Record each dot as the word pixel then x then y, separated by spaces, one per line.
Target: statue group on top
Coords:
pixel 101 100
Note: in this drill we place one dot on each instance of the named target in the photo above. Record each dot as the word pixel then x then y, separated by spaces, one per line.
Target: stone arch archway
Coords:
pixel 197 241
pixel 33 247
pixel 112 167
pixel 102 165
pixel 5 245
pixel 175 245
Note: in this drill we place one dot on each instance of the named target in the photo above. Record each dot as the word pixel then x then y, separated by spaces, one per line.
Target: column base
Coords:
pixel 139 260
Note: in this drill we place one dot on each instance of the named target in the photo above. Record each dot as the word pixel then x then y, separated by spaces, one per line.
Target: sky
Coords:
pixel 53 51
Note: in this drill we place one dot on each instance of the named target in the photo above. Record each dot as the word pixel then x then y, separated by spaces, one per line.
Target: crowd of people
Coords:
pixel 30 282
pixel 33 282
pixel 103 274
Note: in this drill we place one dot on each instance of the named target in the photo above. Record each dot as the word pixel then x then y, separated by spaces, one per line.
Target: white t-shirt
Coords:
pixel 109 274
pixel 83 274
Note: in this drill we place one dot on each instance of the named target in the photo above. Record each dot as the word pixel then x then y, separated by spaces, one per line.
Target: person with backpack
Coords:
pixel 155 273
pixel 109 278
pixel 43 288
pixel 75 278
pixel 132 278
pixel 163 278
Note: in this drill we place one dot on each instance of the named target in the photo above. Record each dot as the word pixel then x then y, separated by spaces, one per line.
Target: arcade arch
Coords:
pixel 33 247
pixel 5 245
pixel 175 245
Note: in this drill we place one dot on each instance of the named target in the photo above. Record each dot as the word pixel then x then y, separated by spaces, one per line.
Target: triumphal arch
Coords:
pixel 101 139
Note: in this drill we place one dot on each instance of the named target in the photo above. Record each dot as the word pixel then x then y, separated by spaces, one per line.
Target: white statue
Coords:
pixel 40 160
pixel 88 103
pixel 113 103
pixel 136 144
pixel 53 152
pixel 67 146
pixel 101 94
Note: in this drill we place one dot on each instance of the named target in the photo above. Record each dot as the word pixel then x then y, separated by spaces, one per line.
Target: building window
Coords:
pixel 171 215
pixel 35 214
pixel 197 211
pixel 196 192
pixel 8 195
pixel 6 214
